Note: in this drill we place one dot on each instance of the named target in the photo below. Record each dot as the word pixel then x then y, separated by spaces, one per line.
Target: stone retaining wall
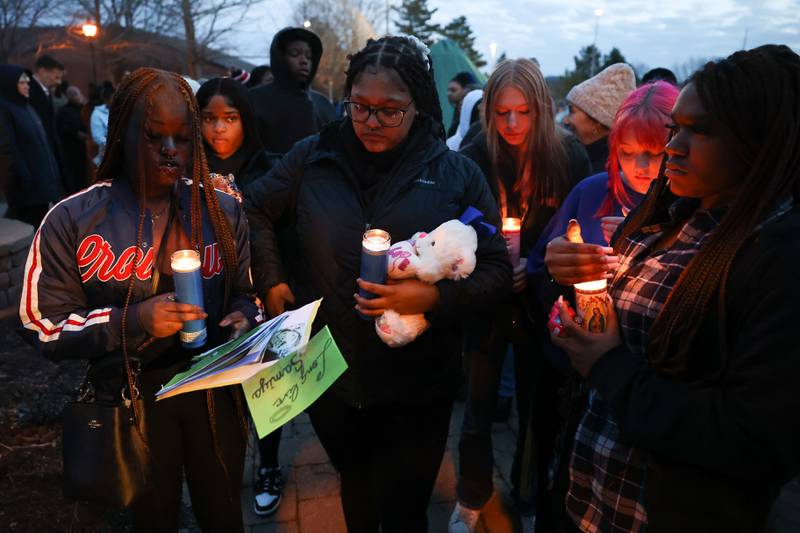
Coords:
pixel 15 239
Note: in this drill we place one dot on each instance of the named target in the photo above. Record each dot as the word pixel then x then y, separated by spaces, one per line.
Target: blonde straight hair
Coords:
pixel 542 168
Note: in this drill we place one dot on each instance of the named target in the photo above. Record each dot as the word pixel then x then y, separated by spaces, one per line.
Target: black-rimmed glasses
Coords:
pixel 388 117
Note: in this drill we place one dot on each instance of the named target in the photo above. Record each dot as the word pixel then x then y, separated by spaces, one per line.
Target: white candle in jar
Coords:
pixel 376 240
pixel 591 304
pixel 185 261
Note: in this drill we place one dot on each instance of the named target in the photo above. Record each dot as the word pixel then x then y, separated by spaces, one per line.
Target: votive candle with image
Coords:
pixel 374 247
pixel 189 289
pixel 591 304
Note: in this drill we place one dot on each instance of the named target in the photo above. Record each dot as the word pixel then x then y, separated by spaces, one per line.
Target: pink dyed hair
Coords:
pixel 645 112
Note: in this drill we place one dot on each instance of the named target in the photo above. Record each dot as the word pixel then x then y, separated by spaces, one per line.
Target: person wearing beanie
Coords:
pixel 592 106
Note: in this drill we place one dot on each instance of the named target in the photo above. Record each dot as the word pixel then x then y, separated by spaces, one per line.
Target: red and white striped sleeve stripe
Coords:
pixel 29 312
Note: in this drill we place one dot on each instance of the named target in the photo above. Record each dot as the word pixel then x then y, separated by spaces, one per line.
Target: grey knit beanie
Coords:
pixel 601 95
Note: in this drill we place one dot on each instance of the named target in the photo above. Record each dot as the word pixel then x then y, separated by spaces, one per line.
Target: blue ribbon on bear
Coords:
pixel 473 217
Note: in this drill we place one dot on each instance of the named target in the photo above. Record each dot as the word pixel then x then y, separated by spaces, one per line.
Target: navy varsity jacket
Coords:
pixel 80 263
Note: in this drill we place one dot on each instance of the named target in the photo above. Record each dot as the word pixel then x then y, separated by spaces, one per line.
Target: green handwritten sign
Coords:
pixel 284 390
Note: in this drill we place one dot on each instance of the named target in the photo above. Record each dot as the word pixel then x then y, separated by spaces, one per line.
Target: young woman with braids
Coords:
pixel 692 422
pixel 98 286
pixel 384 423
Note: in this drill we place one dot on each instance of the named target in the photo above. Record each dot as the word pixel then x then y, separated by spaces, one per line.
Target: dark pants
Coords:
pixel 180 439
pixel 483 361
pixel 268 449
pixel 485 347
pixel 388 458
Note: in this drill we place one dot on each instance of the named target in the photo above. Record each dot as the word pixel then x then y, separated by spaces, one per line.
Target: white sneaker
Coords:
pixel 268 490
pixel 463 519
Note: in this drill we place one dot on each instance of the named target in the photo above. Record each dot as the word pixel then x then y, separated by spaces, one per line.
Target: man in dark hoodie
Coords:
pixel 287 110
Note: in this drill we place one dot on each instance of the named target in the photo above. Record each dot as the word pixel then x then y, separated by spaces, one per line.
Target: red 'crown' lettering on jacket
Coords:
pixel 96 258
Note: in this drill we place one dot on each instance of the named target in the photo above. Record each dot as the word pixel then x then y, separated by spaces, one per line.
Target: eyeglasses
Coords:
pixel 388 117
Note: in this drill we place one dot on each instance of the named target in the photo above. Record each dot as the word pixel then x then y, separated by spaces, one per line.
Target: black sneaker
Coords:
pixel 268 491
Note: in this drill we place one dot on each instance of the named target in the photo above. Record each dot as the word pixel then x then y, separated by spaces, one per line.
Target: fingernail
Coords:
pixel 607 250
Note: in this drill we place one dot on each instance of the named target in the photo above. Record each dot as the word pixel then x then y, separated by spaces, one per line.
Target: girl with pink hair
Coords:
pixel 636 148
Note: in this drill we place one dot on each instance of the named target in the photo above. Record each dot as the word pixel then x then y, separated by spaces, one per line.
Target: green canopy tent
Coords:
pixel 449 60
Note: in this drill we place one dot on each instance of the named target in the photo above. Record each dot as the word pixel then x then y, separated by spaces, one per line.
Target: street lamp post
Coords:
pixel 90 32
pixel 597 14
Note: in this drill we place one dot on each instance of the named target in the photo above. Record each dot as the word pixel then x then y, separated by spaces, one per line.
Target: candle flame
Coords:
pixel 185 261
pixel 512 224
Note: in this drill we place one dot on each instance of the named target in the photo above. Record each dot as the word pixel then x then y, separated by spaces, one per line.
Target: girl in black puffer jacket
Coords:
pixel 384 423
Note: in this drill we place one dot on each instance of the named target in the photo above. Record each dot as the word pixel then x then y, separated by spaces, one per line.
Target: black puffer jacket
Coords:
pixel 285 111
pixel 428 186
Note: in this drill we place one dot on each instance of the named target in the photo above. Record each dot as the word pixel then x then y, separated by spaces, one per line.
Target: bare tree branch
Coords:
pixel 16 15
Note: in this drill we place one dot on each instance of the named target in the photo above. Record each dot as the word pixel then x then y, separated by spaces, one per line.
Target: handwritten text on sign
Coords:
pixel 284 390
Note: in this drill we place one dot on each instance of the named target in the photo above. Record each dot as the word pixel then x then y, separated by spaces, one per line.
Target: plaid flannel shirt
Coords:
pixel 606 485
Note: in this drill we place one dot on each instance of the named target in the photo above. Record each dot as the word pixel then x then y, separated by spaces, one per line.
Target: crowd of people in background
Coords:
pixel 671 417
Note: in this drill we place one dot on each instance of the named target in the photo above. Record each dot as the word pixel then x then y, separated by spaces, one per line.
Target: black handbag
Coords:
pixel 106 459
pixel 105 455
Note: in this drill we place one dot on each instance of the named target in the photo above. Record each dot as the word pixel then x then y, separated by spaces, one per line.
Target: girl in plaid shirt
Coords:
pixel 692 423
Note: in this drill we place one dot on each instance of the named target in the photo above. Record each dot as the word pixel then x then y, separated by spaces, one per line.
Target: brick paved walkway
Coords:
pixel 311 497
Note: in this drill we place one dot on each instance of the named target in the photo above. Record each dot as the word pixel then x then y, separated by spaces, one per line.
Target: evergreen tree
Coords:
pixel 414 18
pixel 614 56
pixel 588 62
pixel 459 31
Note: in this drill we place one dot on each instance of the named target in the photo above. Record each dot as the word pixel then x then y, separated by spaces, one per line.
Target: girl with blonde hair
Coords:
pixel 530 165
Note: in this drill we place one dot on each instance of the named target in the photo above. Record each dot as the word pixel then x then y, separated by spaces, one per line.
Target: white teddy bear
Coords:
pixel 448 252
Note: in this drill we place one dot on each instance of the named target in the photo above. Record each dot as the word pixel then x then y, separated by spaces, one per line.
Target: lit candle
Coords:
pixel 591 304
pixel 189 289
pixel 374 246
pixel 512 228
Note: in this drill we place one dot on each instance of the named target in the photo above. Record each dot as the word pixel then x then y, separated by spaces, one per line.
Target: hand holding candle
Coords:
pixel 590 296
pixel 189 289
pixel 569 260
pixel 584 348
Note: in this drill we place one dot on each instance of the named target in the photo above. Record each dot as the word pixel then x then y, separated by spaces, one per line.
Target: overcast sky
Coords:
pixel 665 33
